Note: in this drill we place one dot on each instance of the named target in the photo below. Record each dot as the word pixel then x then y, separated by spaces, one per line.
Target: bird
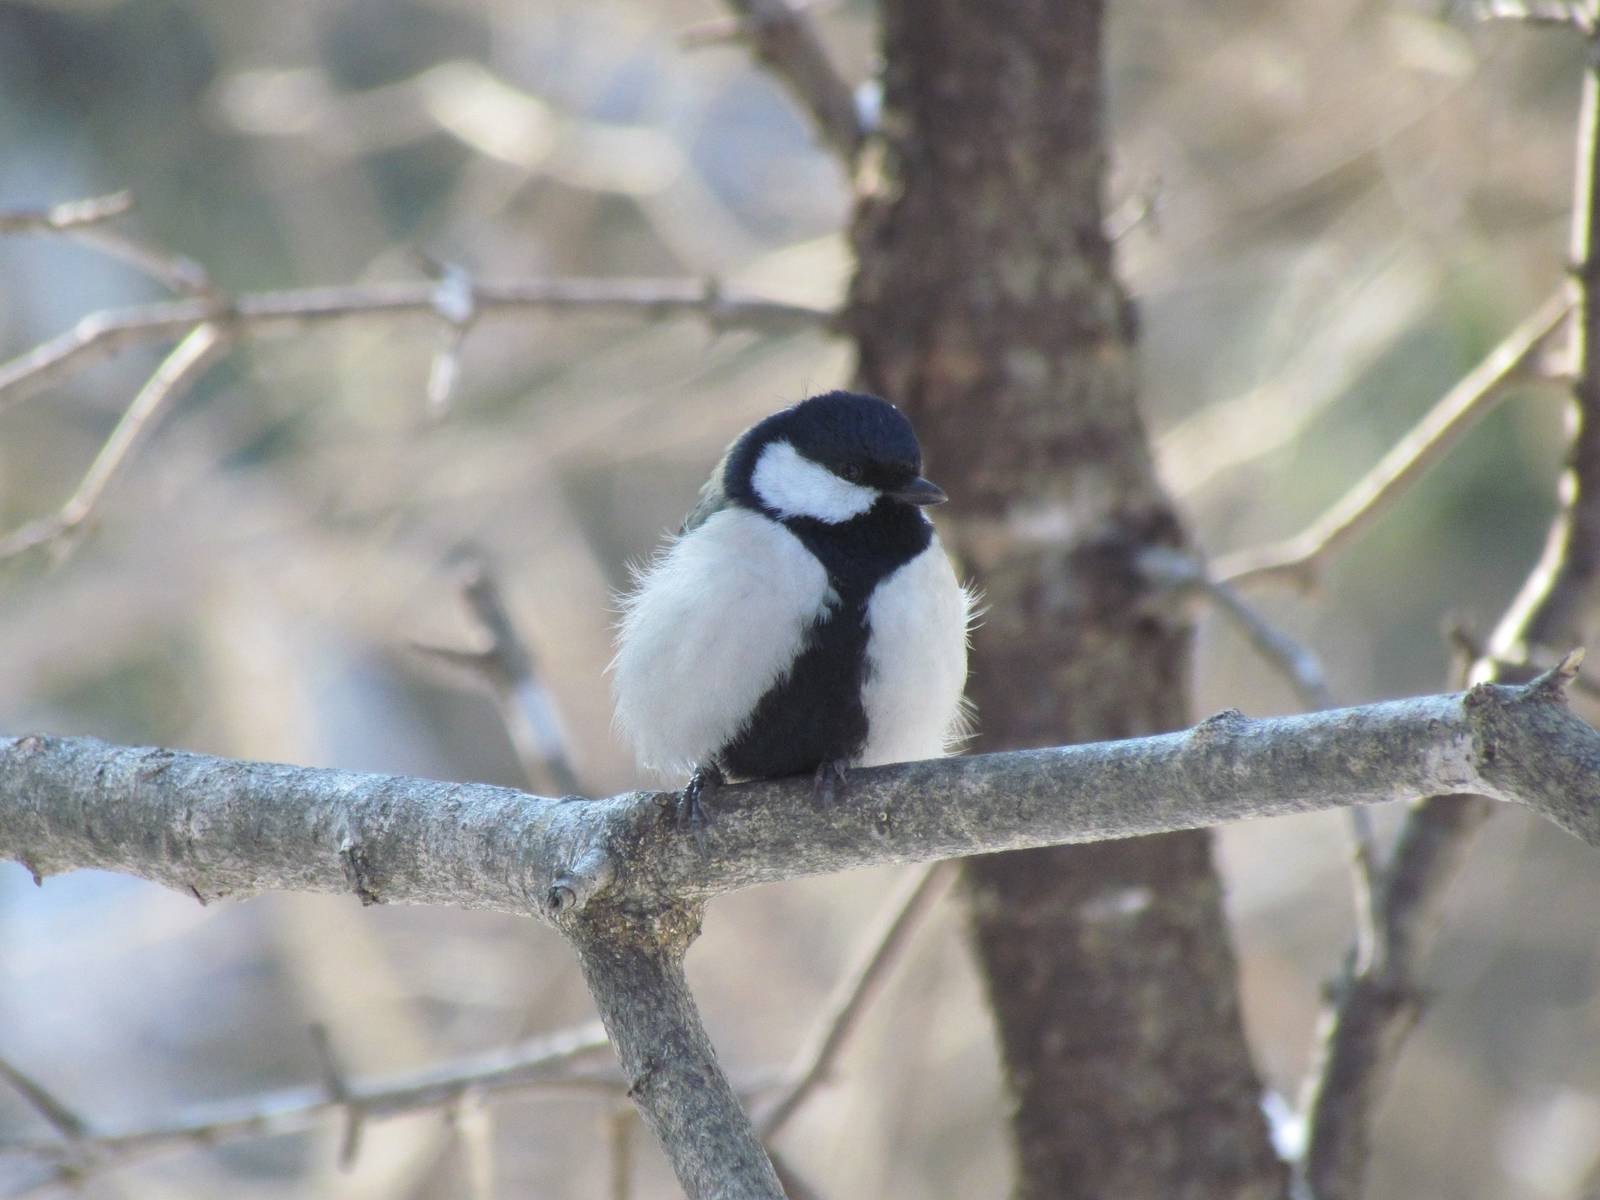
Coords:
pixel 805 618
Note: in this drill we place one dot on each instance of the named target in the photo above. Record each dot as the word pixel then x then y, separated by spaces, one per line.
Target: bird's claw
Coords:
pixel 692 808
pixel 828 785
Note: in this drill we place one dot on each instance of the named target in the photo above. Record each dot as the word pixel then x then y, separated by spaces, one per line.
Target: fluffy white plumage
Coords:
pixel 713 622
pixel 718 619
pixel 917 662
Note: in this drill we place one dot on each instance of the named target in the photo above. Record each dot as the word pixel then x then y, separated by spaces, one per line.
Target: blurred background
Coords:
pixel 1354 202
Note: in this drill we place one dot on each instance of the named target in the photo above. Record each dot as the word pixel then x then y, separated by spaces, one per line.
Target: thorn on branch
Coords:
pixel 357 872
pixel 576 885
pixel 1553 684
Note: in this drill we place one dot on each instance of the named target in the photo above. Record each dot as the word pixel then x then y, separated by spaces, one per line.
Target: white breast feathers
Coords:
pixel 916 662
pixel 713 622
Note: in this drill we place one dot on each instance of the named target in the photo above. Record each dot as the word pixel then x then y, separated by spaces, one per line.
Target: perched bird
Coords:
pixel 805 619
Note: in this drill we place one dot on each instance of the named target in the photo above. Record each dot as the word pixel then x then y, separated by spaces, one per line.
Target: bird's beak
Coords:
pixel 920 491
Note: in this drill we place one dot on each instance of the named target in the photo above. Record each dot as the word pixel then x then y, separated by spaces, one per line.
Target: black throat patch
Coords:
pixel 814 713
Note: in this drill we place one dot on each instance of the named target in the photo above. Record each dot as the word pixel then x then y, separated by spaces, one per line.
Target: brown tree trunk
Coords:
pixel 986 306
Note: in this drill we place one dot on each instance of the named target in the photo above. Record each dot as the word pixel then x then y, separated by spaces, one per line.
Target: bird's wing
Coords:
pixel 714 622
pixel 713 499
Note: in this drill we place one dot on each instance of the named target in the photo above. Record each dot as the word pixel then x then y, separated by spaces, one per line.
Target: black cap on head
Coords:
pixel 858 437
pixel 838 428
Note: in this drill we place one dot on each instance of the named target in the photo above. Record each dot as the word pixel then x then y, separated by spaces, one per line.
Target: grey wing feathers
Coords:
pixel 712 501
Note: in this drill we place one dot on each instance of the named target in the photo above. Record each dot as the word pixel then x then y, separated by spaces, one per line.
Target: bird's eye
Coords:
pixel 852 472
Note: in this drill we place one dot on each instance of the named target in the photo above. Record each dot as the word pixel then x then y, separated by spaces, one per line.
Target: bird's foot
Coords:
pixel 828 785
pixel 693 800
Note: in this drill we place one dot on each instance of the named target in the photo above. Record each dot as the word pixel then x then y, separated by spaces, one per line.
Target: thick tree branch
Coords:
pixel 624 883
pixel 220 827
pixel 633 965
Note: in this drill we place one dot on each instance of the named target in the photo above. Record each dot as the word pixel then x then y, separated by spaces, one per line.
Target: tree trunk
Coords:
pixel 986 306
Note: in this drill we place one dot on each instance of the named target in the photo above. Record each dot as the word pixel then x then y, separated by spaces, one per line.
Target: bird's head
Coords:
pixel 830 458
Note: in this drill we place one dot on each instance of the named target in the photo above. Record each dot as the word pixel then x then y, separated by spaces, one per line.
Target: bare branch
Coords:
pixel 1562 14
pixel 1299 665
pixel 543 1062
pixel 84 221
pixel 1169 568
pixel 65 1122
pixel 633 964
pixel 781 34
pixel 179 819
pixel 856 990
pixel 506 665
pixel 623 882
pixel 73 214
pixel 1298 559
pixel 1377 1007
pixel 720 30
pixel 178 373
pixel 621 1122
pixel 101 335
pixel 339 1093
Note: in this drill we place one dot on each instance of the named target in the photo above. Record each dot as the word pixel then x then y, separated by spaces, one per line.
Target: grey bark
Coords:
pixel 624 883
pixel 216 827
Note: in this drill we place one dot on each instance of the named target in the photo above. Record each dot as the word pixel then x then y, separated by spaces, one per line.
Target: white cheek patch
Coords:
pixel 793 486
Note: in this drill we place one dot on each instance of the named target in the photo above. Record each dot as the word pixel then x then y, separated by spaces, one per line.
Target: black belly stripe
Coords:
pixel 814 713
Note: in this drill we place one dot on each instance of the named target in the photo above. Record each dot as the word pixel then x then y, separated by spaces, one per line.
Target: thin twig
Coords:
pixel 856 989
pixel 719 31
pixel 103 334
pixel 61 1118
pixel 504 662
pixel 543 1062
pixel 176 375
pixel 1143 207
pixel 472 1123
pixel 355 1117
pixel 1556 13
pixel 621 1122
pixel 784 39
pixel 71 214
pixel 176 272
pixel 1299 559
pixel 1300 666
pixel 1512 670
pixel 84 221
